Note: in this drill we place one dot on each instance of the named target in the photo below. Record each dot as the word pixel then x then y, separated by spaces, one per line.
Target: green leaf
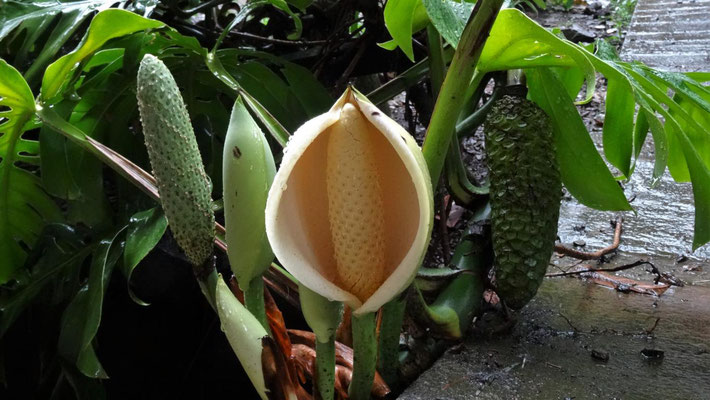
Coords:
pixel 449 18
pixel 283 6
pixel 144 231
pixel 699 76
pixel 608 63
pixel 81 318
pixel 618 125
pixel 107 25
pixel 31 13
pixel 517 42
pixel 34 19
pixel 85 388
pixel 68 23
pixel 646 121
pixel 582 169
pixel 58 251
pixel 311 94
pixel 641 127
pixel 457 304
pixel 281 104
pixel 700 176
pixel 24 206
pixel 58 159
pixel 70 172
pixel 402 19
pixel 571 78
pixel 300 4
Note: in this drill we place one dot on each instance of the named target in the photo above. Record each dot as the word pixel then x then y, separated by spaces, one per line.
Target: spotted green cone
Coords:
pixel 525 196
pixel 184 187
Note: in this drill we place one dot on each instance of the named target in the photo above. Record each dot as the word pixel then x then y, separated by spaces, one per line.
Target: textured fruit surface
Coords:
pixel 355 205
pixel 525 196
pixel 184 187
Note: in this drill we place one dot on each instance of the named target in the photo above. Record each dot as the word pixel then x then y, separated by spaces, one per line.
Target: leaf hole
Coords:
pixel 26 166
pixel 32 134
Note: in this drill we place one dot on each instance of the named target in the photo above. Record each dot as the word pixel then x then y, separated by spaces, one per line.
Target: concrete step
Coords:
pixel 670 35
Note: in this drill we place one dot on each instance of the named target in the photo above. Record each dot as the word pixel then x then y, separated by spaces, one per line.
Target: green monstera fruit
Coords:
pixel 525 196
pixel 184 187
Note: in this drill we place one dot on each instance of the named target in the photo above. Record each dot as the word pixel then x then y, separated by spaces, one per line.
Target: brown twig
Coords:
pixel 655 324
pixel 581 255
pixel 588 268
pixel 574 328
pixel 549 364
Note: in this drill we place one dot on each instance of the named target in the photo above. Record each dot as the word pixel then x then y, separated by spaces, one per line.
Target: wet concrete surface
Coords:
pixel 548 354
pixel 672 35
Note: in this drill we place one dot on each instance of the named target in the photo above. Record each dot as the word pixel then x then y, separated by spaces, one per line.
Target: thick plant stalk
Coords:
pixel 390 327
pixel 244 334
pixel 254 300
pixel 323 316
pixel 452 95
pixel 437 64
pixel 325 369
pixel 364 356
pixel 208 283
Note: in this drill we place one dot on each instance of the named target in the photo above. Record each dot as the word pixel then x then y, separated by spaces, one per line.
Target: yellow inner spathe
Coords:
pixel 305 208
pixel 355 206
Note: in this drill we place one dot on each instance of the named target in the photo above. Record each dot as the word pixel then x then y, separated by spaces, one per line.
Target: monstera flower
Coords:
pixel 350 210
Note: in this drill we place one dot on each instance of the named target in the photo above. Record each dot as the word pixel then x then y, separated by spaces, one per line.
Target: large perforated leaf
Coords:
pixel 24 206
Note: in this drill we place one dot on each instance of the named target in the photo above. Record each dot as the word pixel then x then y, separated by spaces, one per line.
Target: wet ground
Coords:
pixel 670 35
pixel 559 346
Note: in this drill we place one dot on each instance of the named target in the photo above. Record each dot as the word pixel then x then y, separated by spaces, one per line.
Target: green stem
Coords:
pixel 325 369
pixel 364 356
pixel 390 328
pixel 437 65
pixel 457 181
pixel 208 283
pixel 254 301
pixel 467 127
pixel 405 80
pixel 452 96
pixel 323 316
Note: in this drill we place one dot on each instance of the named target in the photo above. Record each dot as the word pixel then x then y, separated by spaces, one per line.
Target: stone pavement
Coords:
pixel 671 35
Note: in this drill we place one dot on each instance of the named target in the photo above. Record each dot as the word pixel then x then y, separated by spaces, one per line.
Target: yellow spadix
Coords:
pixel 350 211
